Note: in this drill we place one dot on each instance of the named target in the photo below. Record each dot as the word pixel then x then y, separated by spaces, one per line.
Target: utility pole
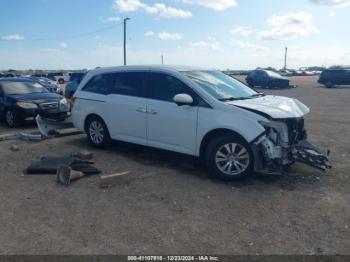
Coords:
pixel 125 19
pixel 162 60
pixel 285 58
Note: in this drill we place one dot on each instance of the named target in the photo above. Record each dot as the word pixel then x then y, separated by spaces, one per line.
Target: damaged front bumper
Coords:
pixel 310 155
pixel 284 144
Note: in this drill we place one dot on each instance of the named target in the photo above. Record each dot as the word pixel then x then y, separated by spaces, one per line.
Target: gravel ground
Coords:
pixel 175 207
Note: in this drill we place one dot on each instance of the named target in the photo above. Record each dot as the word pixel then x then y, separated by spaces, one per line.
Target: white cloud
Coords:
pixel 204 45
pixel 242 44
pixel 332 13
pixel 112 19
pixel 334 3
pixel 169 36
pixel 218 5
pixel 128 5
pixel 150 33
pixel 292 25
pixel 63 45
pixel 159 9
pixel 243 30
pixel 165 11
pixel 12 37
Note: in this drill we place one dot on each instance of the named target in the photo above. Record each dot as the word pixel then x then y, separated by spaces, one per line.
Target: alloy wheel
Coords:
pixel 232 159
pixel 96 132
pixel 10 118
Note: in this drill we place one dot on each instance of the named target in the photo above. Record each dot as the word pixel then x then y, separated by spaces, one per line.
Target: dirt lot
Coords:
pixel 175 207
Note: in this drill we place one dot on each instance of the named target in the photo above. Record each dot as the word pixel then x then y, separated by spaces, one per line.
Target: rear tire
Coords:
pixel 61 81
pixel 97 132
pixel 229 158
pixel 329 84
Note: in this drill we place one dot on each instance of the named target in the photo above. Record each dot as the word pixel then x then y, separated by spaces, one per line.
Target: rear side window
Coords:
pixel 129 84
pixel 165 87
pixel 99 84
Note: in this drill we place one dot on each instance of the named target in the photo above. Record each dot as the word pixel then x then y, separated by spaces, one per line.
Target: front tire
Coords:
pixel 11 119
pixel 97 132
pixel 229 158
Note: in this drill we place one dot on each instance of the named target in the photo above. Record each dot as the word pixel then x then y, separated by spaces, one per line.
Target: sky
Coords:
pixel 221 34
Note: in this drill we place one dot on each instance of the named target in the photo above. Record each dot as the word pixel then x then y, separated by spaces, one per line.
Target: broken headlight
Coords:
pixel 64 106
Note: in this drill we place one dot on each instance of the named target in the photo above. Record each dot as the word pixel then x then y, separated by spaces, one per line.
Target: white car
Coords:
pixel 202 113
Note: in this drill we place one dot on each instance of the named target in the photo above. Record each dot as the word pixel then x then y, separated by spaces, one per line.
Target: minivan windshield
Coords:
pixel 22 87
pixel 220 85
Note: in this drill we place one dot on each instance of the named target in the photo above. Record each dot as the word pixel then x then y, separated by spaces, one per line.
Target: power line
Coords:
pixel 68 36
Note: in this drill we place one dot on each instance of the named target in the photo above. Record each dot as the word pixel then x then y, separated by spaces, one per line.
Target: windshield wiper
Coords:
pixel 258 95
pixel 234 98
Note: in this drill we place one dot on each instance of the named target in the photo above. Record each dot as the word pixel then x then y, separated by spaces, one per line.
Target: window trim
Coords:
pixel 91 79
pixel 192 92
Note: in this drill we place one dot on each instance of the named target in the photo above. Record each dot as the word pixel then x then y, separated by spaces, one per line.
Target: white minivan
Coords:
pixel 205 113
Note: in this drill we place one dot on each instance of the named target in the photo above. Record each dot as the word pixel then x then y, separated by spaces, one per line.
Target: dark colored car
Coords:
pixel 48 84
pixel 22 99
pixel 266 79
pixel 333 77
pixel 74 81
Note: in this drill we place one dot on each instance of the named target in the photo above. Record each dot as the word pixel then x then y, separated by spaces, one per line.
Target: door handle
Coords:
pixel 141 110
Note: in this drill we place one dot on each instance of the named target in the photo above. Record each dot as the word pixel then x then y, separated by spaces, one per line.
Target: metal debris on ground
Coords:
pixel 50 165
pixel 84 155
pixel 14 148
pixel 47 129
pixel 107 181
pixel 51 128
pixel 32 136
pixel 65 175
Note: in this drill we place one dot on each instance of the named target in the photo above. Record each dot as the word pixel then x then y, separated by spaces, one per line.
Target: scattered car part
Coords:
pixel 107 181
pixel 84 155
pixel 49 128
pixel 49 165
pixel 26 136
pixel 65 175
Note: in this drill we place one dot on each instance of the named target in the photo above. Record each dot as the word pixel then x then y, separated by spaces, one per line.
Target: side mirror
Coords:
pixel 183 99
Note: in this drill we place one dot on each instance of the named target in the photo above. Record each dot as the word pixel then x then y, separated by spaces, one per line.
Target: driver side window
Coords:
pixel 165 87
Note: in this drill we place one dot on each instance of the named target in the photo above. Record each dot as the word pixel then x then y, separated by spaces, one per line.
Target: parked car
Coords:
pixel 72 85
pixel 48 84
pixel 39 75
pixel 232 128
pixel 266 79
pixel 22 100
pixel 331 78
pixel 285 72
pixel 60 77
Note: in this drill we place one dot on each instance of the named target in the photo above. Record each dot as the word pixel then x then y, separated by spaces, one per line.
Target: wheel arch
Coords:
pixel 89 116
pixel 215 133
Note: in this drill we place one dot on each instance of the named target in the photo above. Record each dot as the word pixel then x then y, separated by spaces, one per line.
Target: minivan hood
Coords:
pixel 274 106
